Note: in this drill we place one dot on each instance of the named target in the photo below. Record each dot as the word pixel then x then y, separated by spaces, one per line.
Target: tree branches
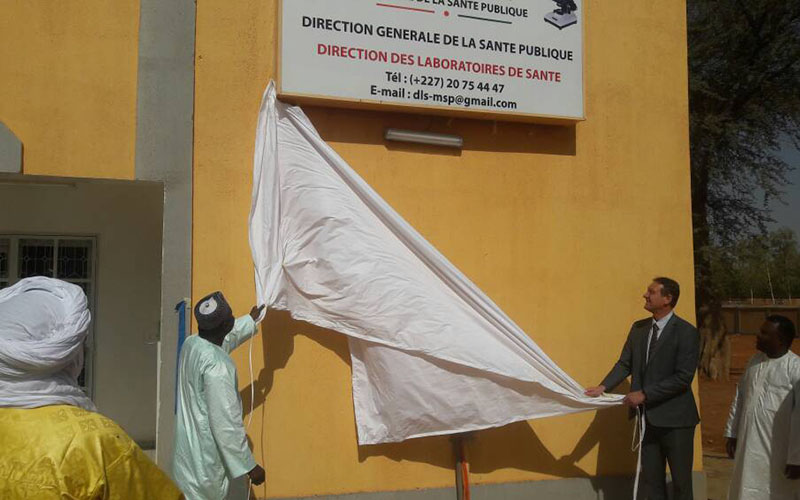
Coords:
pixel 744 62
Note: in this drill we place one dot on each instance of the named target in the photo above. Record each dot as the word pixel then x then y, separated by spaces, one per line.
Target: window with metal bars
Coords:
pixel 68 258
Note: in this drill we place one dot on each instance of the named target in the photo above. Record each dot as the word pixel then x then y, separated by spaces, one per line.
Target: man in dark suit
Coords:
pixel 661 356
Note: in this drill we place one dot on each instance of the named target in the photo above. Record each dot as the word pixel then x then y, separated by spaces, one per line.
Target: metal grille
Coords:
pixel 82 376
pixel 66 258
pixel 36 257
pixel 4 248
pixel 74 260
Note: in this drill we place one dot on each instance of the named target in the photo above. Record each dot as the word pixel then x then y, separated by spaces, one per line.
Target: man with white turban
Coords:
pixel 54 443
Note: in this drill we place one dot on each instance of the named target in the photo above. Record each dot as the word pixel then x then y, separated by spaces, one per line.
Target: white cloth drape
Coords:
pixel 431 353
pixel 43 324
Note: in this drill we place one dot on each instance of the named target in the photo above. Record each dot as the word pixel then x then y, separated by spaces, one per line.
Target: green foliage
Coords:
pixel 745 268
pixel 744 89
pixel 744 93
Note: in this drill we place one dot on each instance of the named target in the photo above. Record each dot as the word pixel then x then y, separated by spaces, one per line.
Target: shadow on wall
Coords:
pixel 514 446
pixel 611 431
pixel 367 127
pixel 279 346
pixel 517 446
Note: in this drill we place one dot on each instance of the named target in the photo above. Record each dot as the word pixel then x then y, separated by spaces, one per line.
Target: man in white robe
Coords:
pixel 763 427
pixel 210 442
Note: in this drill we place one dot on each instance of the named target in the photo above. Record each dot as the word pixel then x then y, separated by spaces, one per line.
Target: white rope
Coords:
pixel 252 402
pixel 636 445
pixel 261 316
pixel 252 388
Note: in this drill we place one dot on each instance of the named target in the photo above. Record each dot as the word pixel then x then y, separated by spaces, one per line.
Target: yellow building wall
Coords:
pixel 68 84
pixel 562 227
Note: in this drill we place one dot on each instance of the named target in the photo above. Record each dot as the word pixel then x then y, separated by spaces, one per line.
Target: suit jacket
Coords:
pixel 666 380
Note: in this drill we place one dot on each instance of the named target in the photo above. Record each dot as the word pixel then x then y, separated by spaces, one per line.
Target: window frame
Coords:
pixel 14 277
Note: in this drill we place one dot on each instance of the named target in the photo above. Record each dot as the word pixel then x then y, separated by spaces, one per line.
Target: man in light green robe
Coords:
pixel 210 442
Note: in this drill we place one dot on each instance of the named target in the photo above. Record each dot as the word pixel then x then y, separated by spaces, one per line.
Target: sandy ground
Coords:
pixel 715 400
pixel 718 473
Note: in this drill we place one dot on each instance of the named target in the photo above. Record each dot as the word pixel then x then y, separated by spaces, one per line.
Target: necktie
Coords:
pixel 653 339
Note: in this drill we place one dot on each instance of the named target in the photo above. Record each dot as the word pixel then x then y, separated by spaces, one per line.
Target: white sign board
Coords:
pixel 517 58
